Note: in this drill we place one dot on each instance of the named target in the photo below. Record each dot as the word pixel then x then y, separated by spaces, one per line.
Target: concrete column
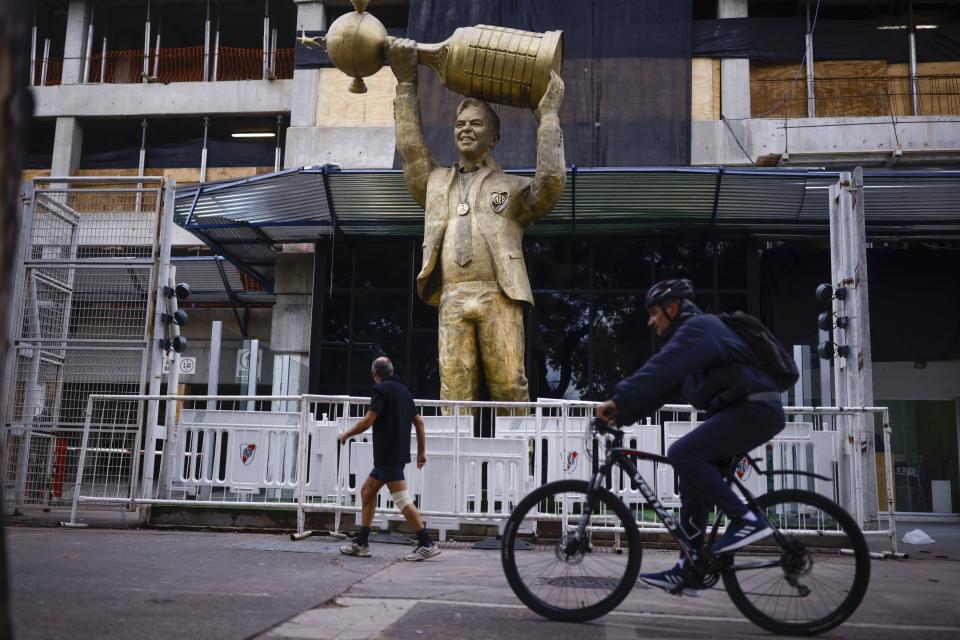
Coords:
pixel 290 328
pixel 311 16
pixel 734 73
pixel 67 143
pixel 75 42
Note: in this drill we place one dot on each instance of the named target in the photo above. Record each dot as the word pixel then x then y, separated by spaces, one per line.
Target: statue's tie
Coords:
pixel 463 242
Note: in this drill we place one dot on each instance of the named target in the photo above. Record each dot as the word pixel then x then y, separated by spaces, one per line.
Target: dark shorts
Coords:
pixel 388 473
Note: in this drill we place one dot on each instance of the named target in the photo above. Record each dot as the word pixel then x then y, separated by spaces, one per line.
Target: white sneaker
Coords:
pixel 354 549
pixel 422 553
pixel 670 580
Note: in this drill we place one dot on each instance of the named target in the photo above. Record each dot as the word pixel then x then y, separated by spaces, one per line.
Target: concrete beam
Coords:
pixel 240 97
pixel 67 144
pixel 349 147
pixel 75 41
pixel 311 16
pixel 824 141
pixel 303 102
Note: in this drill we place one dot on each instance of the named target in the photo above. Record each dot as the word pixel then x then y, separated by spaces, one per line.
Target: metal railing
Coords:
pixel 855 97
pixel 181 64
pixel 483 457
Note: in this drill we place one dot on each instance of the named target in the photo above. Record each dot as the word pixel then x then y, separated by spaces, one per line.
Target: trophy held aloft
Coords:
pixel 496 64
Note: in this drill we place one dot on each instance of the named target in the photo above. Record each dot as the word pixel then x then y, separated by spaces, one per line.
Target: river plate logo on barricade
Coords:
pixel 570 461
pixel 744 468
pixel 247 451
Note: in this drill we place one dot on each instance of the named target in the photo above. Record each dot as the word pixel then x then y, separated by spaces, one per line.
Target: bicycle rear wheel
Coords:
pixel 811 582
pixel 557 584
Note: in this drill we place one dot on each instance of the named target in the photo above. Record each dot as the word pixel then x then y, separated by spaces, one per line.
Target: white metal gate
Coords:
pixel 82 312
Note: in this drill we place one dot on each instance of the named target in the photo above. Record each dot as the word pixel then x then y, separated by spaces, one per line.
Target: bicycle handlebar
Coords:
pixel 602 426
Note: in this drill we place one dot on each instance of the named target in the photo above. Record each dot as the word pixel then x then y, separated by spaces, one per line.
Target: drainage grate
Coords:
pixel 286 545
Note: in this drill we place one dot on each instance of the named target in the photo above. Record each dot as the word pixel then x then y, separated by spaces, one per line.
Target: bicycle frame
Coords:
pixel 621 457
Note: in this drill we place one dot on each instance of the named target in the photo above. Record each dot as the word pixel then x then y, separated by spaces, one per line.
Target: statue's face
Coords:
pixel 473 132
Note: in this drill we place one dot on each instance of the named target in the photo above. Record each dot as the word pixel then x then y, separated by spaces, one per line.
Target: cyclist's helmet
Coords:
pixel 673 289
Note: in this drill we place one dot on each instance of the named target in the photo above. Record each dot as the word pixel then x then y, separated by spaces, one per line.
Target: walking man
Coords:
pixel 390 413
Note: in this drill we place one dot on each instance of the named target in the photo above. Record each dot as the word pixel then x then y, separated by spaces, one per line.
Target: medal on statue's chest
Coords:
pixel 463 209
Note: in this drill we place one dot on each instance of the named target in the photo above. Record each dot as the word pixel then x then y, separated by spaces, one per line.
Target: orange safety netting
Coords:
pixel 54 71
pixel 186 64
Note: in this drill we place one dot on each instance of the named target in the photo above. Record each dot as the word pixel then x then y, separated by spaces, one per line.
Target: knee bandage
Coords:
pixel 401 499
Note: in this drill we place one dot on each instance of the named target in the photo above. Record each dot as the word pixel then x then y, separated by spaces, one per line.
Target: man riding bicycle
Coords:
pixel 716 372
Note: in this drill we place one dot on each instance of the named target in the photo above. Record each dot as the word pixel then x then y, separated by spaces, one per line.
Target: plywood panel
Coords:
pixel 337 107
pixel 842 88
pixel 30 174
pixel 938 84
pixel 852 88
pixel 705 94
pixel 777 90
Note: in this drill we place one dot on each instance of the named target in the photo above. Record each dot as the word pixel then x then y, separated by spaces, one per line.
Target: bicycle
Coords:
pixel 784 584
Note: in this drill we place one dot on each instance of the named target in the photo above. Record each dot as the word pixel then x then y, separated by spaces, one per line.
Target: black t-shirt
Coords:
pixel 391 431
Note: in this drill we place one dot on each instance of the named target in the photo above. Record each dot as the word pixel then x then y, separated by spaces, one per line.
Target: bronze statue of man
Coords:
pixel 473 265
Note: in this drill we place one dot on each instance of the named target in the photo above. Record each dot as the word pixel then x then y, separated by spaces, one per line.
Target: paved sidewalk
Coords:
pixel 462 593
pixel 160 584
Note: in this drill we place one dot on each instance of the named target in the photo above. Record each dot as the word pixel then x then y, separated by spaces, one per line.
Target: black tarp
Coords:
pixel 626 70
pixel 185 153
pixel 774 39
pixel 914 299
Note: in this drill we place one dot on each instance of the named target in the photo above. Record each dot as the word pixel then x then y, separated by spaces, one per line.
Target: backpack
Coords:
pixel 773 357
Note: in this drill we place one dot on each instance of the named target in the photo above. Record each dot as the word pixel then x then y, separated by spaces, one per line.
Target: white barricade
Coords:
pixel 557 453
pixel 322 459
pixel 798 447
pixel 236 451
pixel 490 481
pixel 254 457
pixel 645 437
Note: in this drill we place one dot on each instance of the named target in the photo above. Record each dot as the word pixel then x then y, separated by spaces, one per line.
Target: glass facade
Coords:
pixel 586 331
pixel 925 455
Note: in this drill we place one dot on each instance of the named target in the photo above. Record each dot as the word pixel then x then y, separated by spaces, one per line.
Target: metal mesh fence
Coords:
pixel 856 97
pixel 83 308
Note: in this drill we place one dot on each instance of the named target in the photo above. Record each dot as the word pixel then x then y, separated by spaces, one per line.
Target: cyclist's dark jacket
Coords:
pixel 704 358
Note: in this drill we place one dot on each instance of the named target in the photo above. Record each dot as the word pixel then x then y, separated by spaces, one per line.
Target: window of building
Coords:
pixel 586 331
pixel 178 142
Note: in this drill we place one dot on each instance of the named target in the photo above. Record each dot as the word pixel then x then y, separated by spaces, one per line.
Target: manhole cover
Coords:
pixel 582 582
pixel 286 545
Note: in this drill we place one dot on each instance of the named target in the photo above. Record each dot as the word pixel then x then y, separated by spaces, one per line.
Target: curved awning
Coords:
pixel 244 219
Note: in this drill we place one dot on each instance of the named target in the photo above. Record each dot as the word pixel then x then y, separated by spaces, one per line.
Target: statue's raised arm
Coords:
pixel 417 160
pixel 547 186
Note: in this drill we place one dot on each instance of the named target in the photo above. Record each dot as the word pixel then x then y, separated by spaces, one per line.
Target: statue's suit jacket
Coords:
pixel 504 204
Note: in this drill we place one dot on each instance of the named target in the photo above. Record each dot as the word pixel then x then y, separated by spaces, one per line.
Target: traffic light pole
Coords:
pixel 853 367
pixel 162 270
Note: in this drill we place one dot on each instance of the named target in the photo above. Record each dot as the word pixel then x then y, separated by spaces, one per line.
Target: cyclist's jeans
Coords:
pixel 695 457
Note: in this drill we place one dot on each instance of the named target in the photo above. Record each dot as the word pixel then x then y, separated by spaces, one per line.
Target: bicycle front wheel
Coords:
pixel 814 575
pixel 557 578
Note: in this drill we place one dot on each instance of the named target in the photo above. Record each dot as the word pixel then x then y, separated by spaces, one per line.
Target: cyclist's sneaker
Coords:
pixel 422 553
pixel 354 549
pixel 740 533
pixel 670 580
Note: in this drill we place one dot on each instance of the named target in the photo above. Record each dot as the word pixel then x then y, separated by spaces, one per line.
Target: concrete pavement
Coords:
pixel 162 584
